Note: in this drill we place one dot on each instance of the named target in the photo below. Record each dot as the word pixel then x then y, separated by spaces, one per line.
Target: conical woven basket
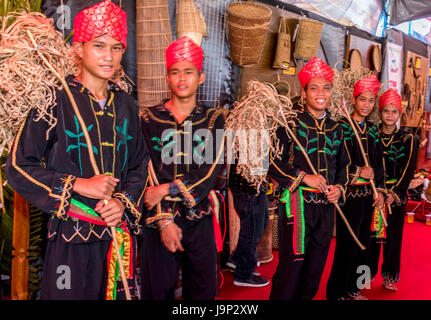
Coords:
pixel 189 21
pixel 153 36
pixel 247 24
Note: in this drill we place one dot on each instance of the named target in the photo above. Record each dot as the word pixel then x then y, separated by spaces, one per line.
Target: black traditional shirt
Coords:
pixel 369 136
pixel 43 165
pixel 323 141
pixel 189 155
pixel 399 163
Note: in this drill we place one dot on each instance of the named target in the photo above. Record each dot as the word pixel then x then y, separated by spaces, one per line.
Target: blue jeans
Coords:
pixel 253 213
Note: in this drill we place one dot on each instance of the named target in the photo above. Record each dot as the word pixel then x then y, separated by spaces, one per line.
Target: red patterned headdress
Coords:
pixel 315 68
pixel 370 83
pixel 102 18
pixel 390 96
pixel 184 49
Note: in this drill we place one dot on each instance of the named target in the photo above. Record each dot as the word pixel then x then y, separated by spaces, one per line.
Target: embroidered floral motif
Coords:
pixel 78 135
pixel 126 137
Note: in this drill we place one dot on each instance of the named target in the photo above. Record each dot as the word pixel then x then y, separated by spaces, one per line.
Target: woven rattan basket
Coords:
pixel 153 35
pixel 247 24
pixel 307 39
pixel 189 21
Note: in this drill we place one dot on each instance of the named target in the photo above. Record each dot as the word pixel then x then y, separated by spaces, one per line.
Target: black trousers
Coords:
pixel 391 246
pixel 74 271
pixel 348 256
pixel 299 278
pixel 198 262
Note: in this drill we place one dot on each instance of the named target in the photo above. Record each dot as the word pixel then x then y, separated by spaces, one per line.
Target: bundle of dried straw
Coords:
pixel 259 110
pixel 25 82
pixel 342 90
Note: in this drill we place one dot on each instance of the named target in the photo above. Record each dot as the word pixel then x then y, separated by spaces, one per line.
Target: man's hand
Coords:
pixel 390 199
pixel 98 187
pixel 153 195
pixel 171 236
pixel 112 212
pixel 333 194
pixel 367 173
pixel 316 181
pixel 379 201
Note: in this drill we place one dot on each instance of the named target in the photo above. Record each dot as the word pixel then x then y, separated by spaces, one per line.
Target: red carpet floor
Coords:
pixel 415 276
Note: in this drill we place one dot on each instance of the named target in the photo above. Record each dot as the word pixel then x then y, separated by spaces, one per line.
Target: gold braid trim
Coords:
pixel 215 115
pixel 297 181
pixel 396 198
pixel 129 205
pixel 342 190
pixel 356 176
pixel 146 114
pixel 160 216
pixel 190 201
pixel 65 195
pixel 25 174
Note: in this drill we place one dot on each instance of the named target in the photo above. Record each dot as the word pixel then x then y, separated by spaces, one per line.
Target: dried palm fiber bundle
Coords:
pixel 342 90
pixel 25 82
pixel 153 36
pixel 262 110
pixel 189 22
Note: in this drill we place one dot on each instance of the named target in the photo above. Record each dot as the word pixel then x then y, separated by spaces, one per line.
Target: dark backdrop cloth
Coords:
pixel 406 10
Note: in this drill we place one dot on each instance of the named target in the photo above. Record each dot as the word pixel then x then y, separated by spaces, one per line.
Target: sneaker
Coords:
pixel 253 281
pixel 231 266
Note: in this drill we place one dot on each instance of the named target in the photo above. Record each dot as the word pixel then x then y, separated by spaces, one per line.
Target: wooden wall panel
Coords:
pixel 414 87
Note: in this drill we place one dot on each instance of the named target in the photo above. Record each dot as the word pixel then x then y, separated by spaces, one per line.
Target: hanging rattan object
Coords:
pixel 247 24
pixel 189 22
pixel 308 39
pixel 283 48
pixel 355 60
pixel 153 36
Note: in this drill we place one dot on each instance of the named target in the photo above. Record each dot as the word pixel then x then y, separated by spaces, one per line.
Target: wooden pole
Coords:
pixel 310 164
pixel 337 207
pixel 20 243
pixel 91 155
pixel 361 147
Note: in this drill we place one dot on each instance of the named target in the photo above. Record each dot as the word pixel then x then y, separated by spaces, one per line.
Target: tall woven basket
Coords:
pixel 307 39
pixel 189 21
pixel 247 24
pixel 153 36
